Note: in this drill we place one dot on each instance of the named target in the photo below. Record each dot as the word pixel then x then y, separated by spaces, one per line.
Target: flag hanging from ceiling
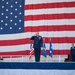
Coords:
pixel 19 20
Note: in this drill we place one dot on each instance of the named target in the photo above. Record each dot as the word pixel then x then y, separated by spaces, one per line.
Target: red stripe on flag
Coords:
pixel 50 16
pixel 47 40
pixel 49 5
pixel 26 52
pixel 50 28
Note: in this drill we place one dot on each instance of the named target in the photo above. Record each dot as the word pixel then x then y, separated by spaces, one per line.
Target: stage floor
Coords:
pixel 29 68
pixel 37 65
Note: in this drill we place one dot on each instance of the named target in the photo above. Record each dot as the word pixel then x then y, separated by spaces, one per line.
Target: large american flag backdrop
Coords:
pixel 20 19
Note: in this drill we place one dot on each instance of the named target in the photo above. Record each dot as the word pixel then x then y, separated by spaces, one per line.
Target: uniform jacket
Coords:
pixel 38 42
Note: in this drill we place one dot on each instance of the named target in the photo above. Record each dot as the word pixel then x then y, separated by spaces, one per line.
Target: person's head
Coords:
pixel 37 33
pixel 72 44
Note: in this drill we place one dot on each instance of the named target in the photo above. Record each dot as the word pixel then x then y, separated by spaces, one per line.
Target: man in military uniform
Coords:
pixel 38 43
pixel 73 52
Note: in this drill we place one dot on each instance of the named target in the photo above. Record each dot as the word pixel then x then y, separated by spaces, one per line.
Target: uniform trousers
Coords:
pixel 37 54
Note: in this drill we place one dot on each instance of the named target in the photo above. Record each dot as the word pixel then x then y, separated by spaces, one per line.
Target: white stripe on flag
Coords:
pixel 56 46
pixel 50 11
pixel 45 1
pixel 50 22
pixel 43 34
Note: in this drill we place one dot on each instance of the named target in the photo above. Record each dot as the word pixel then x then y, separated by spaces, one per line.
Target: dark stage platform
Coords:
pixel 30 65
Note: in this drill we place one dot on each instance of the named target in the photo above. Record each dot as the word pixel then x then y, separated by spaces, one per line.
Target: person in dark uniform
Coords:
pixel 38 43
pixel 73 52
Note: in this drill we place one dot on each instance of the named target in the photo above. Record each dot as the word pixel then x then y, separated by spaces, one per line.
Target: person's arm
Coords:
pixel 32 38
pixel 71 50
pixel 41 42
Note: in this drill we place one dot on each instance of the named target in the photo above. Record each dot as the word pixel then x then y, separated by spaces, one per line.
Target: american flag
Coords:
pixel 20 19
pixel 31 51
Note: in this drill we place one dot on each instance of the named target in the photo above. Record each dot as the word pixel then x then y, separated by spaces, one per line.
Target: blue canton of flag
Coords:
pixel 50 50
pixel 44 50
pixel 11 16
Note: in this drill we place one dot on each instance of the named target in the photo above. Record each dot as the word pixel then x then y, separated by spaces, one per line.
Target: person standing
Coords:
pixel 73 52
pixel 38 43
